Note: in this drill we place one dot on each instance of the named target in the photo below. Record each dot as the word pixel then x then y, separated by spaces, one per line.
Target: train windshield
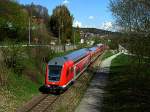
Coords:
pixel 54 73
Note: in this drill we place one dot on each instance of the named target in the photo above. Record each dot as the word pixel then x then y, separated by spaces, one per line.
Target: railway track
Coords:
pixel 39 104
pixel 46 102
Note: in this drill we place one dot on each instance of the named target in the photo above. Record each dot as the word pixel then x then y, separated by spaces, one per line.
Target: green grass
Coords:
pixel 107 54
pixel 22 87
pixel 18 90
pixel 128 86
pixel 122 60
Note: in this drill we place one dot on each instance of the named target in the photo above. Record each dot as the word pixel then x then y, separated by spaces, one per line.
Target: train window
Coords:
pixel 54 73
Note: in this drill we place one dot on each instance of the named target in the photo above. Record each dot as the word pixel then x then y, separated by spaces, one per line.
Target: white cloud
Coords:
pixel 91 17
pixel 81 25
pixel 77 23
pixel 108 25
pixel 65 2
pixel 85 26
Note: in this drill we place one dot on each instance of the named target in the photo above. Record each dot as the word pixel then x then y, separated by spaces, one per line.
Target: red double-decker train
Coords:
pixel 64 70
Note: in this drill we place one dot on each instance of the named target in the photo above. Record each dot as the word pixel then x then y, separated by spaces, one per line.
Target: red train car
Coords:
pixel 62 71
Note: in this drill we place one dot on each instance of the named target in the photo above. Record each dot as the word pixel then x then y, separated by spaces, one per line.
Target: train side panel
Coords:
pixel 81 66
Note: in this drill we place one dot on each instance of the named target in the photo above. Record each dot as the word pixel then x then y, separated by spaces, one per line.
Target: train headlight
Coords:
pixel 48 85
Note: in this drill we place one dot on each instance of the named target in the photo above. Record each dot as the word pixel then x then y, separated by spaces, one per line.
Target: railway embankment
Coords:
pixel 22 71
pixel 66 102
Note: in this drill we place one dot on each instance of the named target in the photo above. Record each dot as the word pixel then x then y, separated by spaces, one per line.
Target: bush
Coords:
pixel 13 58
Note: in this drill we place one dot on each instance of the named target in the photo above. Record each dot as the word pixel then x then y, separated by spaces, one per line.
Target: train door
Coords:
pixel 79 68
pixel 76 72
pixel 70 74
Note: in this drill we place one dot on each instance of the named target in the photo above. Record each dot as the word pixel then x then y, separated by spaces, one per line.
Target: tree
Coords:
pixel 13 21
pixel 37 11
pixel 76 35
pixel 61 23
pixel 132 15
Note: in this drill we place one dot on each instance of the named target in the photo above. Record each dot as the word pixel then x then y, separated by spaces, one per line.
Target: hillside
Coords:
pixel 95 31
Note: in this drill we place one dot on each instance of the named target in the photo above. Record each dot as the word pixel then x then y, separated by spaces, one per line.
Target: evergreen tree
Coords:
pixel 76 35
pixel 61 23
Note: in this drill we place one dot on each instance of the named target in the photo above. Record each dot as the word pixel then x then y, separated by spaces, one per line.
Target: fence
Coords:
pixel 56 48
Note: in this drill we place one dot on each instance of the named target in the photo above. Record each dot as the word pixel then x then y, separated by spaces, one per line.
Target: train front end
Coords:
pixel 54 78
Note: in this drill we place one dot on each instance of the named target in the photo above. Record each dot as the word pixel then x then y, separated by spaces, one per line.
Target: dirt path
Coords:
pixel 92 99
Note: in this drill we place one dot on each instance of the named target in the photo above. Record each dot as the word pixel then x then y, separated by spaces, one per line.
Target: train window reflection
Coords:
pixel 54 73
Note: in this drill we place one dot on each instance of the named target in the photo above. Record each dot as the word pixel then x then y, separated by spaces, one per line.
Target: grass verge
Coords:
pixel 128 88
pixel 107 54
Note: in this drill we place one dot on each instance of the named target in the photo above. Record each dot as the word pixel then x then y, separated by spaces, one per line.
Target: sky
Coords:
pixel 87 13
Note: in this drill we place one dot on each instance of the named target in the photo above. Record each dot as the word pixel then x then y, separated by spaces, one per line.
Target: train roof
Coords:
pixel 57 61
pixel 93 49
pixel 74 56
